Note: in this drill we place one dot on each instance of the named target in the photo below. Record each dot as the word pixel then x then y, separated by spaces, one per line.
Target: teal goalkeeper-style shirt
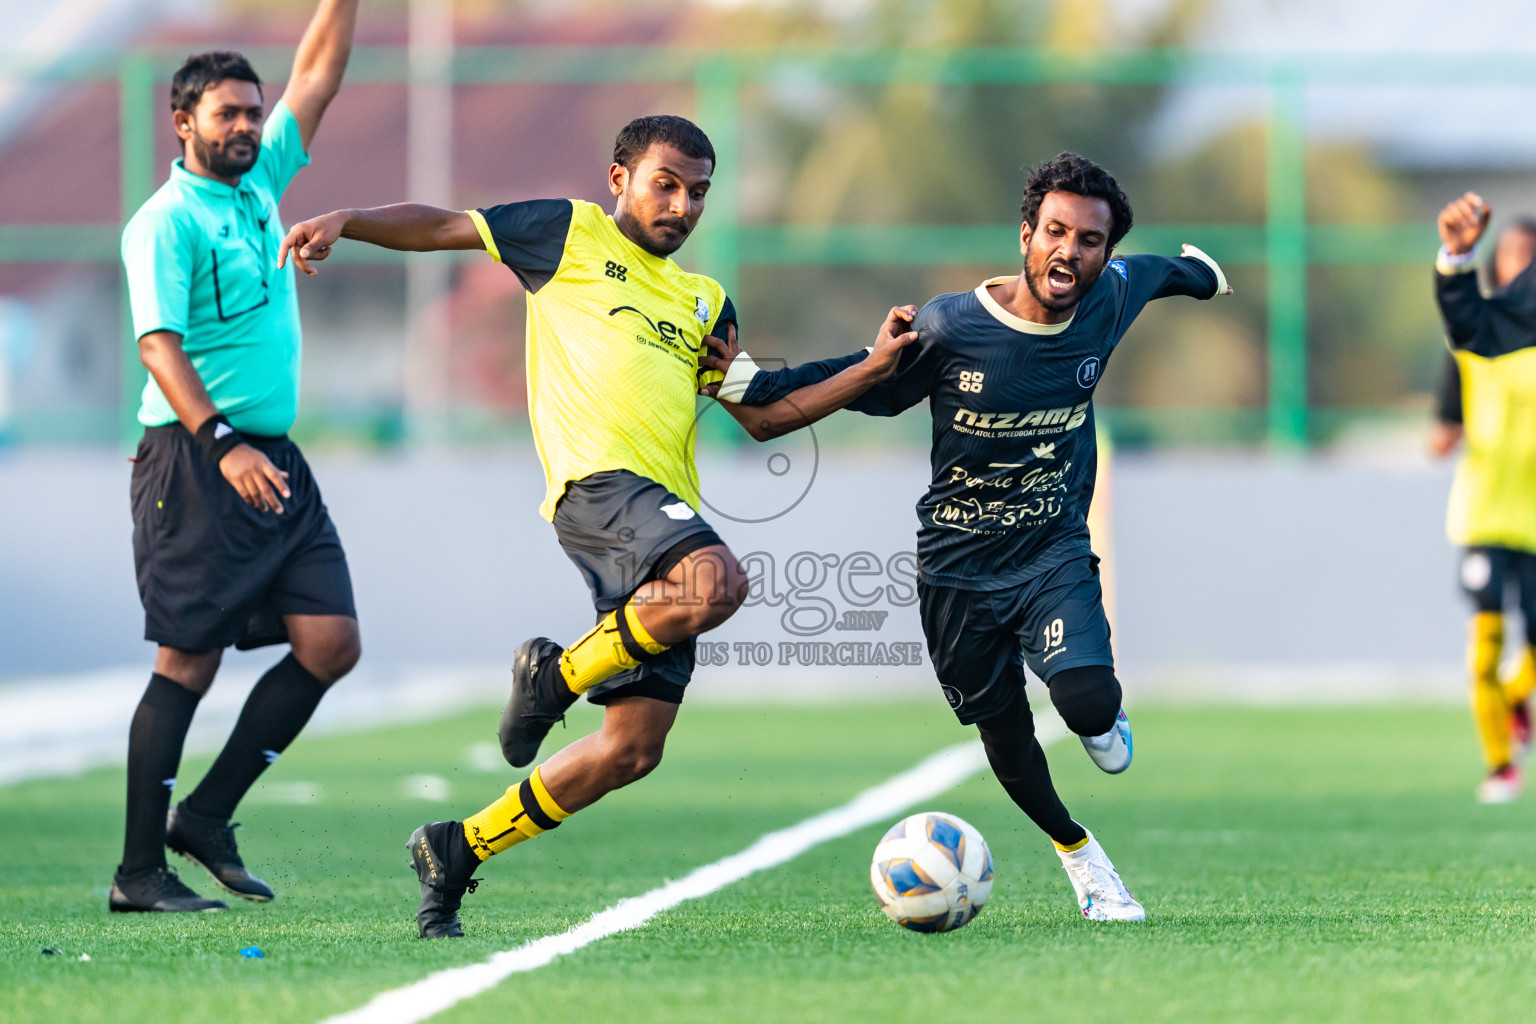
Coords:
pixel 201 259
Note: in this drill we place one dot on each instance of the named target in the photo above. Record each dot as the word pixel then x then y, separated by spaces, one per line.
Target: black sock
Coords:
pixel 1019 764
pixel 154 751
pixel 277 709
pixel 1087 698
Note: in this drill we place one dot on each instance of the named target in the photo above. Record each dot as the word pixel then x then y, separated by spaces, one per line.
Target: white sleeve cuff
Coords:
pixel 1221 279
pixel 738 377
pixel 1449 263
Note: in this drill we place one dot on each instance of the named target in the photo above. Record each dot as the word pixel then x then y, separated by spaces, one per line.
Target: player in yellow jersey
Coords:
pixel 616 356
pixel 1493 500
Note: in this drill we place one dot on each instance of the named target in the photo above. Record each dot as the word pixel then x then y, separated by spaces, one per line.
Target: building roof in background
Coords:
pixel 61 166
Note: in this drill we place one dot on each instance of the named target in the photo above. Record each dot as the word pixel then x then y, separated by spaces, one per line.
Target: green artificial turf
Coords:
pixel 1296 865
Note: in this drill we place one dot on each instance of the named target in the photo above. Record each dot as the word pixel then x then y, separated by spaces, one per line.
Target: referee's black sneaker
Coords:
pixel 539 700
pixel 210 844
pixel 444 863
pixel 155 890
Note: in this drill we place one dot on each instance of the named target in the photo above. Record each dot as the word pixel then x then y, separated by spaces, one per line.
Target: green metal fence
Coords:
pixel 1285 244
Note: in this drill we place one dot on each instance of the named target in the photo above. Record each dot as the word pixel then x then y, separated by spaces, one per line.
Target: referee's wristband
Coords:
pixel 216 437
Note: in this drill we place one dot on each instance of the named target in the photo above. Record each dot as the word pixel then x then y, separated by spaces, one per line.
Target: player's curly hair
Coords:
pixel 202 71
pixel 644 132
pixel 1069 172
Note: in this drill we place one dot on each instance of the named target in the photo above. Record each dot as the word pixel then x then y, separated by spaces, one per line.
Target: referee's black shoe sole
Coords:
pixel 444 878
pixel 210 844
pixel 539 700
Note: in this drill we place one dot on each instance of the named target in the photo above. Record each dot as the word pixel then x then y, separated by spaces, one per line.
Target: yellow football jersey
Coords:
pixel 614 338
pixel 1493 498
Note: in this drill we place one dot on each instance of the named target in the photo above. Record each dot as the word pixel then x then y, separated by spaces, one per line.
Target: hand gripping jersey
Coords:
pixel 1493 500
pixel 1014 452
pixel 614 337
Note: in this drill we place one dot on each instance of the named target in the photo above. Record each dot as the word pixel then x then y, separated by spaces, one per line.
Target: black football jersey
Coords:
pixel 1014 452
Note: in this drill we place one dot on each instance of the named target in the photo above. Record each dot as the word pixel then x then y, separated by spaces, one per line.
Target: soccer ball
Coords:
pixel 932 872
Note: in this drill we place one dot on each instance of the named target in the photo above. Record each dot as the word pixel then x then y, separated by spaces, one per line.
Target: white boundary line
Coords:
pixel 928 778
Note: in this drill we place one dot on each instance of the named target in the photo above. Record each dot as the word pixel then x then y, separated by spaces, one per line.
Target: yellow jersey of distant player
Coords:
pixel 1493 499
pixel 614 339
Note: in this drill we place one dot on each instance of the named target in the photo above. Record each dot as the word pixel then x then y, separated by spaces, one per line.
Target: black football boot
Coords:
pixel 539 700
pixel 444 863
pixel 155 890
pixel 210 844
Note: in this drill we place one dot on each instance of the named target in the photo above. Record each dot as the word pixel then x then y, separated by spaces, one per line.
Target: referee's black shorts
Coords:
pixel 212 570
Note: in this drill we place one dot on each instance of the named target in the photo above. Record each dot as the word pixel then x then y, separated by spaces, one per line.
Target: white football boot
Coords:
pixel 1501 787
pixel 1101 896
pixel 1111 751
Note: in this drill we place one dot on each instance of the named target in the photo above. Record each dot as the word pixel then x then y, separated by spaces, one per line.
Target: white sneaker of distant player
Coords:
pixel 1101 896
pixel 1501 788
pixel 1111 751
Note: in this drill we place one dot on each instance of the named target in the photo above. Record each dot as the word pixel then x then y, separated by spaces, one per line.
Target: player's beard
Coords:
pixel 649 236
pixel 216 157
pixel 1037 266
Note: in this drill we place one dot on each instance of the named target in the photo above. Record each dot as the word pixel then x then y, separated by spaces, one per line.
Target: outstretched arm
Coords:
pixel 815 401
pixel 319 64
pixel 406 226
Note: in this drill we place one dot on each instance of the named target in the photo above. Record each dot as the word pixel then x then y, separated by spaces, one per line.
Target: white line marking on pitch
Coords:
pixel 928 778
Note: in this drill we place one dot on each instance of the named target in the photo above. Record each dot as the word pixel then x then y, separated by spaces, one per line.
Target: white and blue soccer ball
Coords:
pixel 932 872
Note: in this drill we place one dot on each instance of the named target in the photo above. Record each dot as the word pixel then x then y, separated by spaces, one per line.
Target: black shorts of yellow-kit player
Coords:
pixel 212 570
pixel 1489 573
pixel 980 640
pixel 622 531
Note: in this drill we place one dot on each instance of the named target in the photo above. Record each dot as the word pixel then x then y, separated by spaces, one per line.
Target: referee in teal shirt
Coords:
pixel 231 539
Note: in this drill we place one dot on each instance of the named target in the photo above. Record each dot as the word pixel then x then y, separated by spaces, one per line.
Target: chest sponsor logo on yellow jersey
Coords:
pixel 664 334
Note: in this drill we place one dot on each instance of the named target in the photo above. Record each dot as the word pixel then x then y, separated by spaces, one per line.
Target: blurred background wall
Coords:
pixel 1272 510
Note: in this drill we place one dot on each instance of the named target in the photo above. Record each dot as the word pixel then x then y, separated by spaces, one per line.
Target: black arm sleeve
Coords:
pixel 727 316
pixel 1151 277
pixel 530 237
pixel 896 394
pixel 1448 394
pixel 1503 323
pixel 771 385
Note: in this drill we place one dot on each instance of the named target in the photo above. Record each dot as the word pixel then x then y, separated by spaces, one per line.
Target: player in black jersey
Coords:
pixel 1007 573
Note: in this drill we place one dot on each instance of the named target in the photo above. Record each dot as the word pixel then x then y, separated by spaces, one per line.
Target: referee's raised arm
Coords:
pixel 319 64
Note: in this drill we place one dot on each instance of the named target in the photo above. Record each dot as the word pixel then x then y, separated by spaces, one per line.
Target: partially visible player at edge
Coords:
pixel 1006 572
pixel 1490 400
pixel 615 329
pixel 232 542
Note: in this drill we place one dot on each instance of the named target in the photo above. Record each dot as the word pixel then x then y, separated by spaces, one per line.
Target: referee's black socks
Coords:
pixel 154 751
pixel 277 709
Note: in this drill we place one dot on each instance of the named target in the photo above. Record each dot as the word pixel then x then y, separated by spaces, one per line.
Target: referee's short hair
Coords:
pixel 1080 176
pixel 202 71
pixel 642 133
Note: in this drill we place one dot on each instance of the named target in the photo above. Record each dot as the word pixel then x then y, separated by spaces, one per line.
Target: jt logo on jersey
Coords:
pixel 1088 372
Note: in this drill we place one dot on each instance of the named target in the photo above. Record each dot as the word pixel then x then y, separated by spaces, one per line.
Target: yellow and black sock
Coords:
pixel 527 810
pixel 1074 847
pixel 616 644
pixel 1519 687
pixel 1490 708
